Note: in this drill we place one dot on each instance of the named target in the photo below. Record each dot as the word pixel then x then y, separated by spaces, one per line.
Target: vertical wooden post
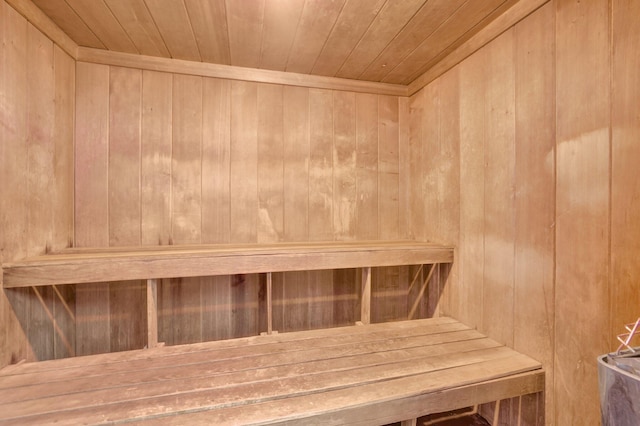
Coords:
pixel 269 304
pixel 152 313
pixel 365 309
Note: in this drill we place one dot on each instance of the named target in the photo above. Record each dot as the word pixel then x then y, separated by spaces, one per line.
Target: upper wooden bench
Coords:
pixel 90 265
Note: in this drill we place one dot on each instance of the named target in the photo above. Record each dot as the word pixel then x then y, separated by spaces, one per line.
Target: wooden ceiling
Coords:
pixel 391 41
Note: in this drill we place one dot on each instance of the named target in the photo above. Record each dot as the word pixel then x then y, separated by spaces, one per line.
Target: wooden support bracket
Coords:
pixel 365 308
pixel 152 313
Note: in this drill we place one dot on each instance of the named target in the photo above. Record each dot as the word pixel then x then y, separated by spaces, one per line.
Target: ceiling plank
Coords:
pixel 137 22
pixel 420 27
pixel 465 22
pixel 104 25
pixel 172 21
pixel 353 22
pixel 318 18
pixel 391 19
pixel 512 16
pixel 209 23
pixel 281 18
pixel 245 21
pixel 68 20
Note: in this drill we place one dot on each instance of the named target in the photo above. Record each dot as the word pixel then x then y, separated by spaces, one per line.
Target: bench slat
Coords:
pixel 77 266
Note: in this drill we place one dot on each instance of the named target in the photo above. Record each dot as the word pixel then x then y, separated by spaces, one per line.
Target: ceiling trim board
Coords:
pixel 44 24
pixel 178 66
pixel 502 23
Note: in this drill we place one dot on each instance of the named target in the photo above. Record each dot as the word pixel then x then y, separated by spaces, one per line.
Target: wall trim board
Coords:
pixel 179 66
pixel 42 22
pixel 502 23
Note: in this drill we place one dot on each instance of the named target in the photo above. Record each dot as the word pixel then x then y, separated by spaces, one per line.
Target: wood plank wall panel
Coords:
pixel 230 161
pixel 92 201
pixel 582 204
pixel 535 191
pixel 36 140
pixel 625 152
pixel 499 195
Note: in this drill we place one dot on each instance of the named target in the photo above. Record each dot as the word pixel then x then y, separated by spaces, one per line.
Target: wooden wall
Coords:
pixel 37 86
pixel 536 135
pixel 166 158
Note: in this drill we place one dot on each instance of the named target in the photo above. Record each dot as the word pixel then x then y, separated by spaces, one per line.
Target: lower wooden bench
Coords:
pixel 368 374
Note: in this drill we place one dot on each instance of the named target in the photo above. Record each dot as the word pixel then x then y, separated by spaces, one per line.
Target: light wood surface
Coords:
pixel 337 374
pixel 582 291
pixel 353 39
pixel 76 266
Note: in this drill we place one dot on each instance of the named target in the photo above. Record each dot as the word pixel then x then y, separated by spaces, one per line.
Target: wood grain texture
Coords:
pixel 91 206
pixel 305 364
pixel 499 195
pixel 130 263
pixel 178 66
pixel 172 22
pixel 137 22
pixel 624 150
pixel 582 293
pixel 535 193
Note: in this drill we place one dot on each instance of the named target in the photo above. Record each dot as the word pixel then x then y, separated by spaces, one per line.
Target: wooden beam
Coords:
pixel 42 22
pixel 177 66
pixel 515 14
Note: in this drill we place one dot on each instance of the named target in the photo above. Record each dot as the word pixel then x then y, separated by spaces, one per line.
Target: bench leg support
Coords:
pixel 365 309
pixel 152 313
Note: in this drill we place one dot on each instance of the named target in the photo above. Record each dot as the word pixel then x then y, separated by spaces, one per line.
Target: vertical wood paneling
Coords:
pixel 296 201
pixel 583 215
pixel 535 192
pixel 625 151
pixel 366 166
pixel 186 202
pixel 415 206
pixel 126 300
pixel 155 167
pixel 91 204
pixel 40 146
pixel 388 168
pixel 186 168
pixel 244 161
pixel 296 163
pixel 270 178
pixel 125 93
pixel 244 199
pixel 344 165
pixel 469 289
pixel 216 141
pixel 63 138
pixel 216 161
pixel 499 211
pixel 40 182
pixel 404 161
pixel 448 186
pixel 320 165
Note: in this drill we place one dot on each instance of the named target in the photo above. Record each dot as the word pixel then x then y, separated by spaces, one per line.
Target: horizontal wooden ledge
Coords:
pixel 204 69
pixel 89 265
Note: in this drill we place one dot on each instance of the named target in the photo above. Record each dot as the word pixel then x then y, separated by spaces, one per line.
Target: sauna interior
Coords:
pixel 507 130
